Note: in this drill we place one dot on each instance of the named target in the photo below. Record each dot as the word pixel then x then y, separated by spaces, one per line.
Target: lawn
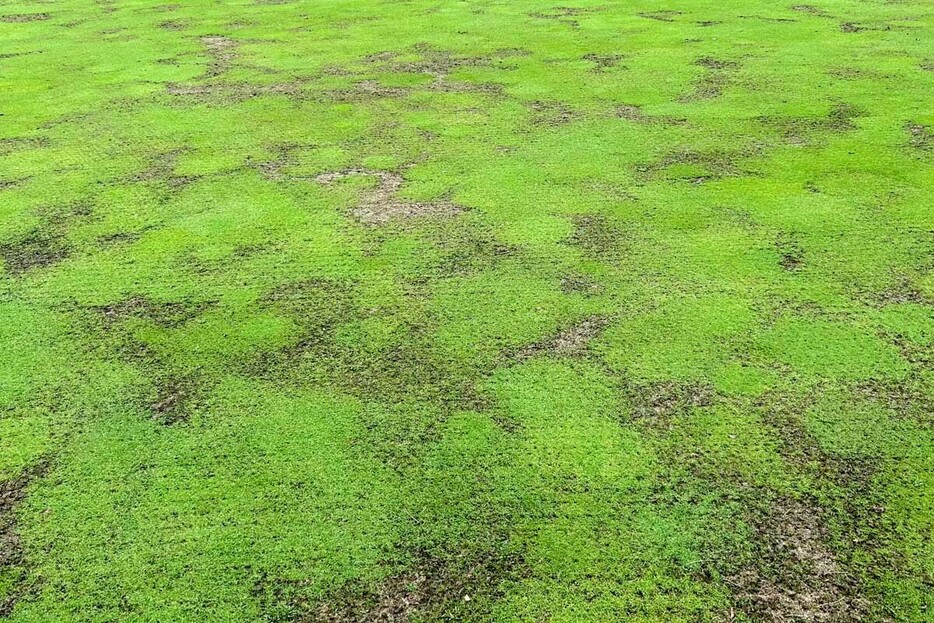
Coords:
pixel 406 311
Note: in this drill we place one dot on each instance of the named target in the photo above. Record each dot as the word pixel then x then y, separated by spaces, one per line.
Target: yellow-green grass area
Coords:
pixel 466 310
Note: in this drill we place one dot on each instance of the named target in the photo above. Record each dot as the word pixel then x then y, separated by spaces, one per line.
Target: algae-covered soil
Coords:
pixel 466 310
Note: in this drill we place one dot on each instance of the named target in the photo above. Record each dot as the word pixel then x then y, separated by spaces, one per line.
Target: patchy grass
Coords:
pixel 469 311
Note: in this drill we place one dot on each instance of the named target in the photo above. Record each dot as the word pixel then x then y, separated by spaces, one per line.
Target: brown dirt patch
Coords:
pixel 791 254
pixel 703 165
pixel 630 112
pixel 599 237
pixel 162 169
pixel 171 314
pixel 174 401
pixel 431 589
pixel 39 249
pixel 552 113
pixel 851 27
pixel 796 576
pixel 222 51
pixel 570 342
pixel 12 556
pixel 661 16
pixel 717 64
pixel 564 14
pixel 660 401
pixel 174 24
pixel 801 130
pixel 22 18
pixel 380 205
pixel 920 136
pixel 233 92
pixel 603 61
pixel 580 284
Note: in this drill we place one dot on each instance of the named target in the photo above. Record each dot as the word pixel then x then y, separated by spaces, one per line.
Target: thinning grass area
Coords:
pixel 466 311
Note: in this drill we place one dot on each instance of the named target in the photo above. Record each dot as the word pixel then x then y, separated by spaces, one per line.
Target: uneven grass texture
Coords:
pixel 466 310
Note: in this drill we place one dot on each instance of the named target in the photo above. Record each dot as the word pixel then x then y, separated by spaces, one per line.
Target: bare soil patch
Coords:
pixel 22 18
pixel 796 576
pixel 920 136
pixel 39 249
pixel 570 342
pixel 660 401
pixel 791 254
pixel 661 16
pixel 630 112
pixel 12 556
pixel 431 589
pixel 380 205
pixel 169 314
pixel 598 236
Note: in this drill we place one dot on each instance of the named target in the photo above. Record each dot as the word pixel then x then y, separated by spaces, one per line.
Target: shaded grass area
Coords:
pixel 472 311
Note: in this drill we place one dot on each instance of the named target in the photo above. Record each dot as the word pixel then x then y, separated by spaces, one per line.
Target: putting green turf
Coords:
pixel 466 310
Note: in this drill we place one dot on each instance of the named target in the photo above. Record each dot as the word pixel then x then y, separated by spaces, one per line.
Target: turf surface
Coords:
pixel 470 310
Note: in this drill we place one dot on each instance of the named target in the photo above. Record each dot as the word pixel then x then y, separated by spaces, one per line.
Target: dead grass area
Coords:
pixel 222 51
pixel 630 112
pixel 174 401
pixel 658 402
pixel 39 249
pixel 795 576
pixel 920 136
pixel 379 206
pixel 552 113
pixel 170 314
pixel 570 342
pixel 430 589
pixel 580 284
pixel 699 166
pixel 661 16
pixel 22 18
pixel 12 556
pixel 791 254
pixel 603 61
pixel 598 237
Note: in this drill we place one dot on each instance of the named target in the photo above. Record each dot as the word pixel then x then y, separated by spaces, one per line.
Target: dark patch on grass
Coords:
pixel 222 93
pixel 174 401
pixel 920 136
pixel 380 205
pixel 222 51
pixel 713 63
pixel 552 113
pixel 430 588
pixel 634 113
pixel 851 27
pixel 711 85
pixel 466 250
pixel 580 284
pixel 661 16
pixel 12 556
pixel 40 248
pixel 697 166
pixel 174 24
pixel 162 169
pixel 603 61
pixel 564 14
pixel 795 575
pixel 22 18
pixel 598 237
pixel 800 130
pixel 170 314
pixel 365 90
pixel 569 342
pixel 791 254
pixel 657 402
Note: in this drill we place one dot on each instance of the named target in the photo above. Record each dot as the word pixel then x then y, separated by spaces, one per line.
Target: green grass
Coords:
pixel 613 312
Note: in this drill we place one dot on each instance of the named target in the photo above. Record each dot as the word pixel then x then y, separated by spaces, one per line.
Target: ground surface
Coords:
pixel 477 310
